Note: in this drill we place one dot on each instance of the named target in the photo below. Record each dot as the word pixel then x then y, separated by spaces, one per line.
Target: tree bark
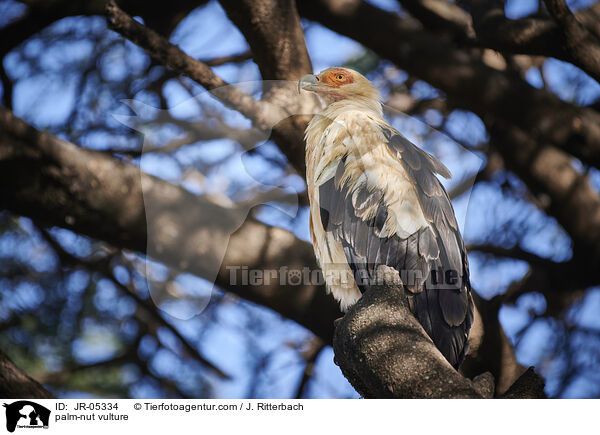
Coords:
pixel 385 353
pixel 15 384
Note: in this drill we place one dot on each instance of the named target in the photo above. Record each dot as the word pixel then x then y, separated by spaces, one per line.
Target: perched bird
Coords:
pixel 375 201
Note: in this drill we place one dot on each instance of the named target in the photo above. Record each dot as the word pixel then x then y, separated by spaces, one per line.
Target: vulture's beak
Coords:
pixel 307 82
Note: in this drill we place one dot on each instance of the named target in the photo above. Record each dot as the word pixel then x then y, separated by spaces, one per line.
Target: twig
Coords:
pixel 316 346
pixel 514 252
pixel 233 58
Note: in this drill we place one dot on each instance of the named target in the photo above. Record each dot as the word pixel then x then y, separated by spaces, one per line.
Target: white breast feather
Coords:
pixel 369 161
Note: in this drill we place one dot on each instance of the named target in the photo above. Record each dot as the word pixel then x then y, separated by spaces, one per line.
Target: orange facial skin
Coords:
pixel 337 83
pixel 336 78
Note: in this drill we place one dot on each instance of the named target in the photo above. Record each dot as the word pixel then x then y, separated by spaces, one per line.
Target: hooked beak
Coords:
pixel 307 82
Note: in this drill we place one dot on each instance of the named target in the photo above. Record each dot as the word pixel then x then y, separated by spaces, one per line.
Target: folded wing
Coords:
pixel 370 220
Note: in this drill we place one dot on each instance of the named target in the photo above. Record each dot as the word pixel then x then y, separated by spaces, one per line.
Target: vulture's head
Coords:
pixel 335 84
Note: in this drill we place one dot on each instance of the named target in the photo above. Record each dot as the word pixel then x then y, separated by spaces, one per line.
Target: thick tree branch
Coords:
pixel 538 35
pixel 441 16
pixel 530 385
pixel 273 31
pixel 490 348
pixel 14 384
pixel 580 44
pixel 385 353
pixel 533 36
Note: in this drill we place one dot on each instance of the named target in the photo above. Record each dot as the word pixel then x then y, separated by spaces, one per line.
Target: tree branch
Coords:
pixel 266 115
pixel 537 35
pixel 41 14
pixel 530 385
pixel 441 16
pixel 385 353
pixel 515 252
pixel 263 115
pixel 581 45
pixel 14 384
pixel 273 31
pixel 311 355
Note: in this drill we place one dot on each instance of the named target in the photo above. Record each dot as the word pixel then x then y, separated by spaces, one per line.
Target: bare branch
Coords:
pixel 441 16
pixel 539 35
pixel 581 45
pixel 515 252
pixel 311 355
pixel 14 384
pixel 263 115
pixel 41 14
pixel 273 31
pixel 234 58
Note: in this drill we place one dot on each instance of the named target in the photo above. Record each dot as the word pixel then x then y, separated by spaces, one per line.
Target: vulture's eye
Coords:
pixel 340 77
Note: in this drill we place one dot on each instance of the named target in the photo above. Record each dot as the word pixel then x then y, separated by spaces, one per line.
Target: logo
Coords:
pixel 26 414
